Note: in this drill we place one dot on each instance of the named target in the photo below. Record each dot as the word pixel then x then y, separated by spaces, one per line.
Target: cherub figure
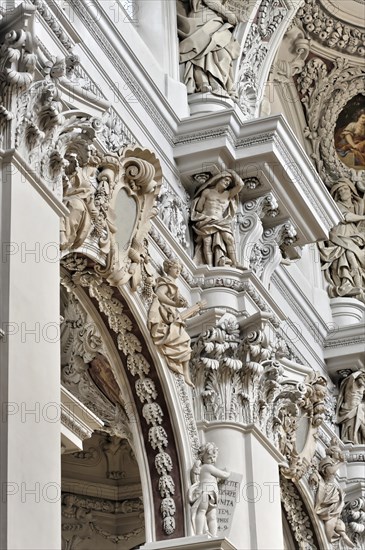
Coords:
pixel 204 492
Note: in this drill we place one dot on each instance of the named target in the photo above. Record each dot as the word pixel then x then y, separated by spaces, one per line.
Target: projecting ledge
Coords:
pixel 199 542
pixel 265 149
pixel 77 422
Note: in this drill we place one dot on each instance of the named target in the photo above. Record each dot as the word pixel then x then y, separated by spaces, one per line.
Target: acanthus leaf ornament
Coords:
pixel 324 93
pixel 17 65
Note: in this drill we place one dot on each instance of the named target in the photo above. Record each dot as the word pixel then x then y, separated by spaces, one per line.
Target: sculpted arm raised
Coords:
pixel 218 7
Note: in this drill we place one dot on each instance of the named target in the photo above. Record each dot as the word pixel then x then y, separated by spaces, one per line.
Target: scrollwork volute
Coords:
pixel 353 516
pixel 111 199
pixel 207 47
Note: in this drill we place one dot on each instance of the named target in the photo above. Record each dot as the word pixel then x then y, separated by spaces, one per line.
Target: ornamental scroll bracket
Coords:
pixel 111 199
pixel 17 65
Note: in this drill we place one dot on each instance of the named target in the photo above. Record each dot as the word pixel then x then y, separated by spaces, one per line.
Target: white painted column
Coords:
pixel 30 361
pixel 257 517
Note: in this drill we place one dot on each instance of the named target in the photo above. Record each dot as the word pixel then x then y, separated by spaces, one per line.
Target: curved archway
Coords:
pixel 125 359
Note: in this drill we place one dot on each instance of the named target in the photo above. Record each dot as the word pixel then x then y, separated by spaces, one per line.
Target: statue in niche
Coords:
pixel 207 47
pixel 330 497
pixel 351 408
pixel 167 325
pixel 350 134
pixel 343 255
pixel 212 214
pixel 204 492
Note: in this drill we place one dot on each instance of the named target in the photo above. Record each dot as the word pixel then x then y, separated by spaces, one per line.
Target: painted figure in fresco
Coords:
pixel 351 408
pixel 207 47
pixel 212 214
pixel 343 255
pixel 350 143
pixel 330 497
pixel 203 494
pixel 167 325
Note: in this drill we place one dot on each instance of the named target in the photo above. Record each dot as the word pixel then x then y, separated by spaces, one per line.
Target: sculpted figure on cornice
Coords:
pixel 351 408
pixel 329 500
pixel 343 255
pixel 204 492
pixel 207 46
pixel 167 325
pixel 213 211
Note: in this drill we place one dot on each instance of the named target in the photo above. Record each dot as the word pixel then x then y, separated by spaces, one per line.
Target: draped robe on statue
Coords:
pixel 207 48
pixel 168 328
pixel 343 255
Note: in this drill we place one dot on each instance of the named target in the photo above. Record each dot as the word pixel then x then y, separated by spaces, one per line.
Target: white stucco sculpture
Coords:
pixel 343 255
pixel 207 47
pixel 167 325
pixel 212 214
pixel 204 492
pixel 351 408
pixel 79 199
pixel 330 497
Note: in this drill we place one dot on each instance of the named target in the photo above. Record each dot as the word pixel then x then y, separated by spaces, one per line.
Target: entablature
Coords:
pixel 267 149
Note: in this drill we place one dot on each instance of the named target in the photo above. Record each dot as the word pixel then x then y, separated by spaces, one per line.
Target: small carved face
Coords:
pixel 210 456
pixel 344 193
pixel 174 270
pixel 224 182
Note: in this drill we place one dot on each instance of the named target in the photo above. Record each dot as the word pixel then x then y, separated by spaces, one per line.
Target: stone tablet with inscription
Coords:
pixel 229 495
